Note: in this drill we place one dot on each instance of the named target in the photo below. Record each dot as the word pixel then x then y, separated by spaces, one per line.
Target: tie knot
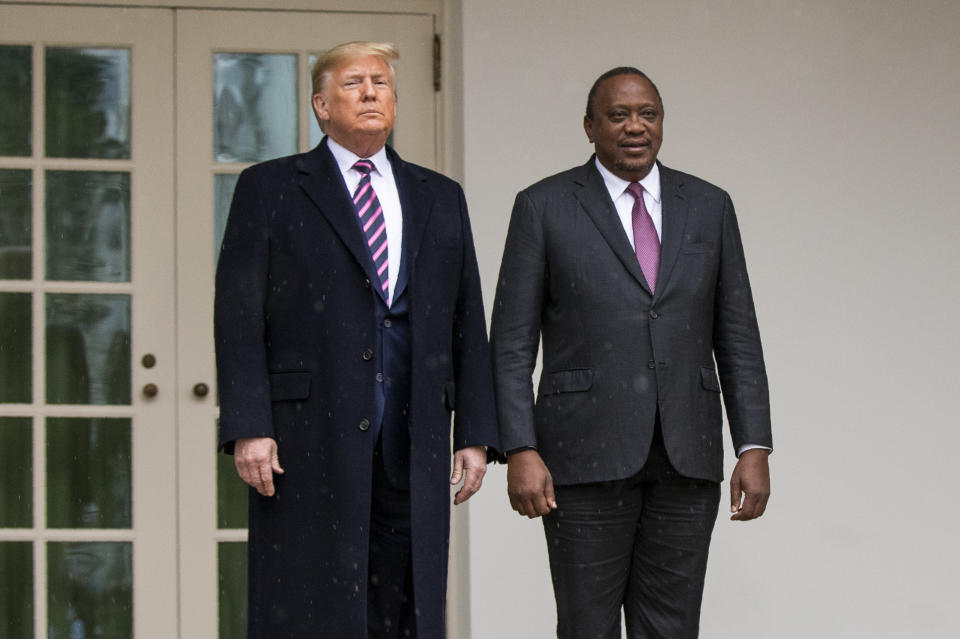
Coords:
pixel 635 190
pixel 364 166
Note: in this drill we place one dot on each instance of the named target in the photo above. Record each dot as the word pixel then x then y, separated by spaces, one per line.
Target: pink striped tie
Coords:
pixel 646 243
pixel 374 225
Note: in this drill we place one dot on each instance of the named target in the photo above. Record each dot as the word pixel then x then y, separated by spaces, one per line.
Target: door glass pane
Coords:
pixel 89 590
pixel 254 106
pixel 232 560
pixel 15 100
pixel 15 223
pixel 88 349
pixel 16 473
pixel 16 371
pixel 231 495
pixel 16 589
pixel 223 186
pixel 87 103
pixel 88 473
pixel 88 226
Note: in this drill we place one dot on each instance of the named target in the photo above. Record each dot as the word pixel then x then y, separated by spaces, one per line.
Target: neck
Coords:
pixel 363 148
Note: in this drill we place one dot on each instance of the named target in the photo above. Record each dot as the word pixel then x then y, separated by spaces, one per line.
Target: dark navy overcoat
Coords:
pixel 295 328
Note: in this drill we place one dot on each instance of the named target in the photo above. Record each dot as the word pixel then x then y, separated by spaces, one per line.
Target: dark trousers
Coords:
pixel 390 606
pixel 639 544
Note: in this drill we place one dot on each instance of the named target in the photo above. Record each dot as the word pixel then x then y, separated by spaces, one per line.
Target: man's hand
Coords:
pixel 529 484
pixel 471 465
pixel 256 461
pixel 751 483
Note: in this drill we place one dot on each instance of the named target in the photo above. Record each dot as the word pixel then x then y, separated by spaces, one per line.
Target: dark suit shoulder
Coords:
pixel 430 177
pixel 670 178
pixel 558 183
pixel 275 166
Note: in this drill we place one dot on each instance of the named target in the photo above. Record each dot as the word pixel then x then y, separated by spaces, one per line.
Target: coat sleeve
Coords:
pixel 475 422
pixel 515 328
pixel 736 342
pixel 239 319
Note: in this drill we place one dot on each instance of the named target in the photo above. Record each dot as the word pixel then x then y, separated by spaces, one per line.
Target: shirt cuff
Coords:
pixel 747 447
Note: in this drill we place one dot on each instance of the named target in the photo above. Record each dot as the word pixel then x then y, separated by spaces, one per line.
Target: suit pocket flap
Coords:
pixel 708 379
pixel 569 381
pixel 450 395
pixel 292 385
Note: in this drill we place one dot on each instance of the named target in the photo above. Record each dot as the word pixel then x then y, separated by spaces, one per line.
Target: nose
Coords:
pixel 635 124
pixel 368 90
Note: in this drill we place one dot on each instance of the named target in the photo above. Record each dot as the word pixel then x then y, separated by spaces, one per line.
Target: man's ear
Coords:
pixel 320 107
pixel 587 125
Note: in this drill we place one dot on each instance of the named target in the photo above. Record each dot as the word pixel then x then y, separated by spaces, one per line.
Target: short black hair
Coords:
pixel 615 72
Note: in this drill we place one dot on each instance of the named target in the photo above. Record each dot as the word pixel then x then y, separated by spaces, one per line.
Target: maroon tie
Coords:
pixel 646 244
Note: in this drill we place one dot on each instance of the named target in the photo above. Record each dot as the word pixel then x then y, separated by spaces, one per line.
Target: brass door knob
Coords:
pixel 150 390
pixel 200 389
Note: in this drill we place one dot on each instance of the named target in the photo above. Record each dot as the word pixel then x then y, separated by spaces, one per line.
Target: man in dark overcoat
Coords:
pixel 633 274
pixel 349 327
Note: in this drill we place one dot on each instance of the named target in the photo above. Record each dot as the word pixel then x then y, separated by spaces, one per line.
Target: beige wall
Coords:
pixel 835 127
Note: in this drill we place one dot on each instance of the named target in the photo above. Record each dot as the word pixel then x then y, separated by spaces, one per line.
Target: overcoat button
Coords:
pixel 653 315
pixel 651 364
pixel 379 377
pixel 366 283
pixel 364 424
pixel 387 323
pixel 367 355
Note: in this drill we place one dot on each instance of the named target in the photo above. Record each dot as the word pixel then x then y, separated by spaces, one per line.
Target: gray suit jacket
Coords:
pixel 613 353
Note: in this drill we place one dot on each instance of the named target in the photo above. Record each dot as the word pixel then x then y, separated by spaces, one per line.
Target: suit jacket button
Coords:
pixel 379 377
pixel 366 282
pixel 651 364
pixel 364 424
pixel 367 355
pixel 653 315
pixel 387 323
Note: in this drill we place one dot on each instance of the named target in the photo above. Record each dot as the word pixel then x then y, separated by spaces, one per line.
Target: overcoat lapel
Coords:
pixel 416 201
pixel 674 208
pixel 595 200
pixel 321 180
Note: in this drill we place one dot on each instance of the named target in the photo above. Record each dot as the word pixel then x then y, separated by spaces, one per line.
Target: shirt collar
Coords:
pixel 617 185
pixel 346 158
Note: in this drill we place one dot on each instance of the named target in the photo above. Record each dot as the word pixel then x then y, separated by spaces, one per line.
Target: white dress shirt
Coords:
pixel 623 201
pixel 385 185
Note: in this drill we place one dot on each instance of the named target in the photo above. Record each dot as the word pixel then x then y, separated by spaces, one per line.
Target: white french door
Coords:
pixel 243 92
pixel 87 356
pixel 122 132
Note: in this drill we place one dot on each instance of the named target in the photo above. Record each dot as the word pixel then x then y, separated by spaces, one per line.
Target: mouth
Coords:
pixel 635 146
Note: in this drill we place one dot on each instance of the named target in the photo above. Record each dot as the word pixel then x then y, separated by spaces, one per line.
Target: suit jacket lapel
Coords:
pixel 321 180
pixel 595 200
pixel 416 201
pixel 674 210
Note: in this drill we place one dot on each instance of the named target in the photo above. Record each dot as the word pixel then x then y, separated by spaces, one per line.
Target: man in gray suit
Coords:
pixel 633 275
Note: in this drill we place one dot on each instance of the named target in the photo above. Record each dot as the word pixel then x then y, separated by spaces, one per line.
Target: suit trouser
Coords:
pixel 639 543
pixel 390 605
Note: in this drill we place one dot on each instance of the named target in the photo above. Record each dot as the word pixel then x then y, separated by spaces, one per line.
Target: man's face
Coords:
pixel 627 126
pixel 358 104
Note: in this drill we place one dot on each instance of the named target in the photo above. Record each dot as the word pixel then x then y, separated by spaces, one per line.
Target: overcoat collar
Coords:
pixel 595 199
pixel 321 180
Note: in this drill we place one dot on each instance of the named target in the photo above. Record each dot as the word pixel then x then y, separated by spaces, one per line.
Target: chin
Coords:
pixel 634 166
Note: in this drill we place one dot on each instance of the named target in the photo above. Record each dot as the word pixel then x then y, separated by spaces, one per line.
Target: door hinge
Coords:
pixel 436 63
